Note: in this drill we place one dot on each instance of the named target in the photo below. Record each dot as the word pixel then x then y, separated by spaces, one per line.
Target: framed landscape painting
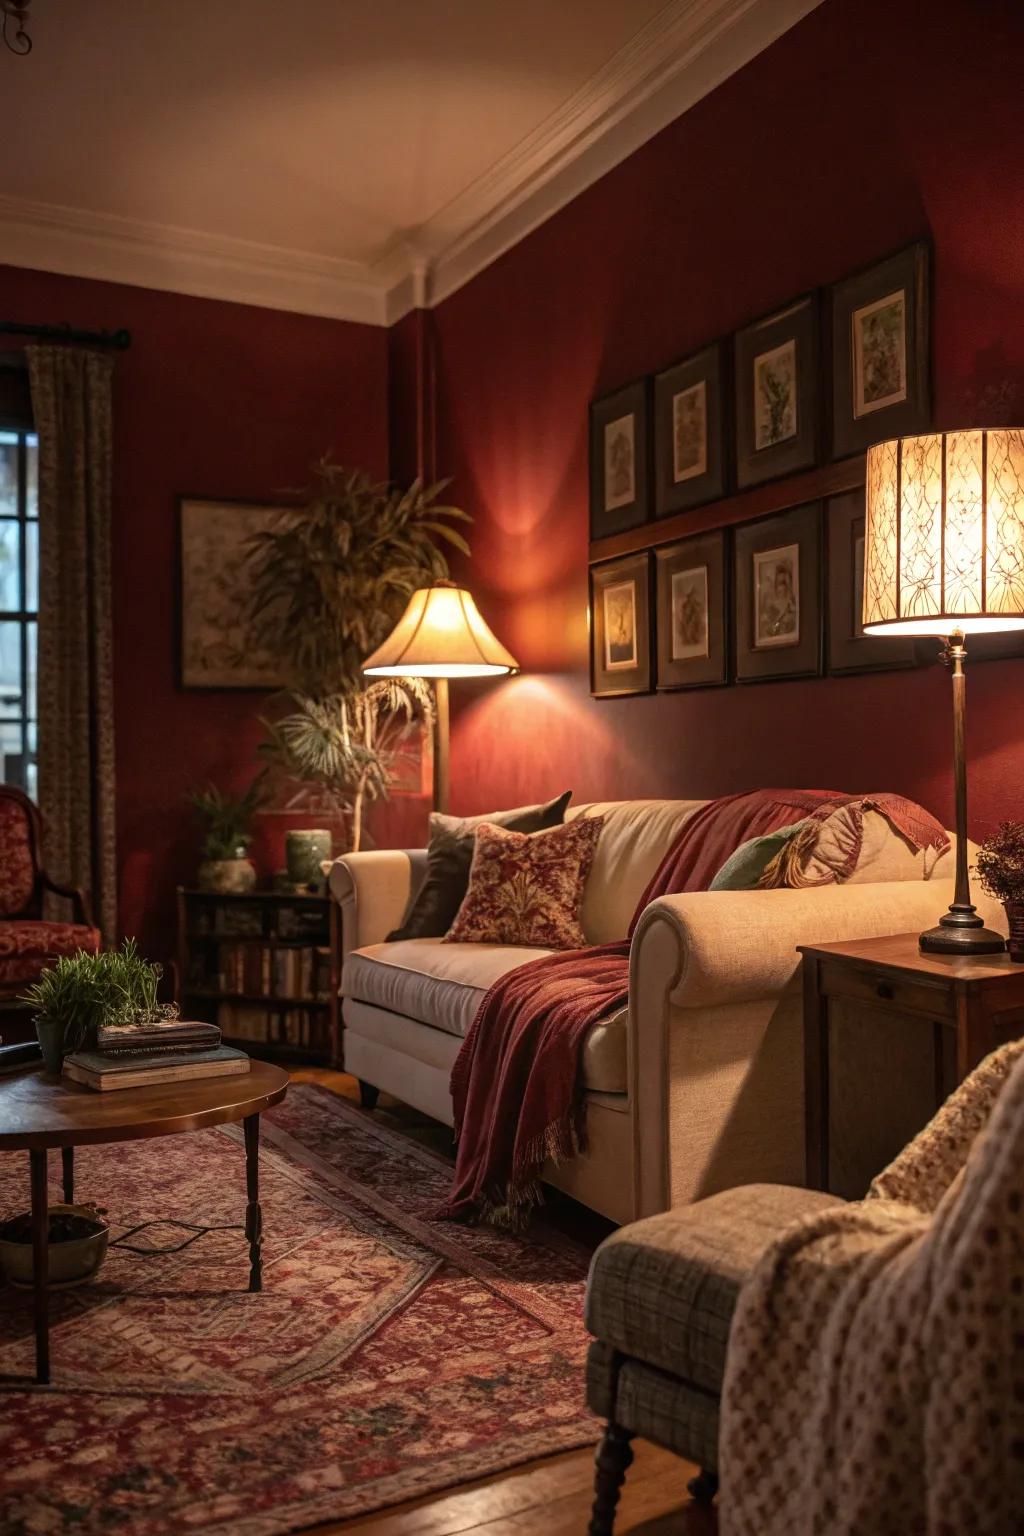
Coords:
pixel 619 491
pixel 689 453
pixel 849 648
pixel 620 627
pixel 691 581
pixel 777 618
pixel 777 410
pixel 216 648
pixel 881 363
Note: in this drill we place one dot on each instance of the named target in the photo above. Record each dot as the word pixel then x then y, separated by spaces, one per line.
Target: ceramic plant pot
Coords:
pixel 1015 917
pixel 77 1248
pixel 50 1034
pixel 227 877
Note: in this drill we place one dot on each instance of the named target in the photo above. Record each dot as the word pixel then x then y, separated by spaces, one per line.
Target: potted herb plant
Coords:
pixel 78 993
pixel 226 820
pixel 1000 869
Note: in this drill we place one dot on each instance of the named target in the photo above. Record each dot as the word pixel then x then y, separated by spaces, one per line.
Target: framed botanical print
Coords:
pixel 619 490
pixel 689 451
pixel 881 352
pixel 777 407
pixel 849 648
pixel 690 604
pixel 216 647
pixel 777 581
pixel 620 626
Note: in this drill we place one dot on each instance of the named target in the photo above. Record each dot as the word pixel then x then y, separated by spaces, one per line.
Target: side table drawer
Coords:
pixel 885 990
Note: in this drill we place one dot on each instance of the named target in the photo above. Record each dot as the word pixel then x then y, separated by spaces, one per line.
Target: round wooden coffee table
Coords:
pixel 38 1112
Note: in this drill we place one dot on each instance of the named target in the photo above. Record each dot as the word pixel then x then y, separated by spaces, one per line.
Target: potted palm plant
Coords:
pixel 1000 869
pixel 327 587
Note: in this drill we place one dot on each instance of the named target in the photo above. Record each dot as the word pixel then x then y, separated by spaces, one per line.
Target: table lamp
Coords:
pixel 944 556
pixel 440 635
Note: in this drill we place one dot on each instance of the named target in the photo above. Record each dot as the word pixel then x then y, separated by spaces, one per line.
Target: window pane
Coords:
pixel 10 666
pixel 31 631
pixel 10 565
pixel 32 567
pixel 32 475
pixel 12 761
pixel 8 475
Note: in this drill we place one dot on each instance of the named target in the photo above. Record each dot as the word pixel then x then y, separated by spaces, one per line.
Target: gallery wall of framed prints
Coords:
pixel 727 491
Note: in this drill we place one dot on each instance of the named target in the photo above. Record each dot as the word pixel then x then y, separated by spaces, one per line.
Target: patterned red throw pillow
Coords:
pixel 527 888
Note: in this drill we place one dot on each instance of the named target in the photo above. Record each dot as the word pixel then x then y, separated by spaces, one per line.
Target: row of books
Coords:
pixel 171 1051
pixel 291 923
pixel 259 969
pixel 274 1026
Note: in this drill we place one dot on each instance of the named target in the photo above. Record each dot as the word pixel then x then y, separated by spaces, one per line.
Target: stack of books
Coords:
pixel 141 1054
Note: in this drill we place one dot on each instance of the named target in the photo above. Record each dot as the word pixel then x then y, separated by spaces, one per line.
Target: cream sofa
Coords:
pixel 696 1086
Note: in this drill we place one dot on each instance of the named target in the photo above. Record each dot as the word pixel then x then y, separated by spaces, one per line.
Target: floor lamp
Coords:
pixel 441 635
pixel 944 556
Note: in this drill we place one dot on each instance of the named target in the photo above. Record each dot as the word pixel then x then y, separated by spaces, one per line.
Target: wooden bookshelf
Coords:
pixel 265 967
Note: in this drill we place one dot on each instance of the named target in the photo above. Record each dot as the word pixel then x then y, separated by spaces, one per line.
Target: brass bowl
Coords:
pixel 70 1263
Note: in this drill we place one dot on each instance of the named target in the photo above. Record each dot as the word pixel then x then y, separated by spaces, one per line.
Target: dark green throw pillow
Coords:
pixel 449 856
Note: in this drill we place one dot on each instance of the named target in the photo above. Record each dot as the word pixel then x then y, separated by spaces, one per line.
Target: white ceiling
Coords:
pixel 345 157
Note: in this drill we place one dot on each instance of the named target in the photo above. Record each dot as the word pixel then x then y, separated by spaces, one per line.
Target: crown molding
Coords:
pixel 681 54
pixel 112 249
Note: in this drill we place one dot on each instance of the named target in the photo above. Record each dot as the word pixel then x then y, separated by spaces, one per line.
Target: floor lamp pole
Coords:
pixel 441 745
pixel 960 931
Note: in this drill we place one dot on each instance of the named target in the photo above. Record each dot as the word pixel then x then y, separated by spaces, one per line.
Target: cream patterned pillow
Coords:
pixel 528 888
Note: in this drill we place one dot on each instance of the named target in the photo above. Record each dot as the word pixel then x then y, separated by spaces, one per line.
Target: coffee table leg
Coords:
pixel 253 1214
pixel 67 1164
pixel 40 1262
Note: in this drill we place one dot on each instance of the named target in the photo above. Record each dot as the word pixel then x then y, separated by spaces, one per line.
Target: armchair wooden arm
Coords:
pixel 73 893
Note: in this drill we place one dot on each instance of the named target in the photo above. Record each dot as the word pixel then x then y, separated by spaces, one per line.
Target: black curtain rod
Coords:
pixel 120 340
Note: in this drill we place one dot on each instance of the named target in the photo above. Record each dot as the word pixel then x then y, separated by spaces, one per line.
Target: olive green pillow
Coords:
pixel 744 868
pixel 432 909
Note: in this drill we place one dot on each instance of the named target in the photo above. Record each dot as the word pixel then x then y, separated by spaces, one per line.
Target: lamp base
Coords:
pixel 961 932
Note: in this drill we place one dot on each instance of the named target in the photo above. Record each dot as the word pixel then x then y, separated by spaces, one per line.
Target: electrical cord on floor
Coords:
pixel 189 1226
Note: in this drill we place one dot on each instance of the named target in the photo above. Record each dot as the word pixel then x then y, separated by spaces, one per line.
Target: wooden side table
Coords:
pixel 885 995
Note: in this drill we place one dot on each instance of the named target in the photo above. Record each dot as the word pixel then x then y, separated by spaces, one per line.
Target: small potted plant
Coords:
pixel 1000 869
pixel 79 993
pixel 225 820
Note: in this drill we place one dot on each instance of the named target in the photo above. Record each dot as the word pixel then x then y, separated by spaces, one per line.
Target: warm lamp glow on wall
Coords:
pixel 944 555
pixel 441 635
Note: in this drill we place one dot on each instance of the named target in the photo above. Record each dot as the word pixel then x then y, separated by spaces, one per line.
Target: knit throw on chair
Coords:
pixel 875 1375
pixel 517 1085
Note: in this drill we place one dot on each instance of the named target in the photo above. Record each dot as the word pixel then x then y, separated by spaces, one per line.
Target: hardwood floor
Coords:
pixel 550 1496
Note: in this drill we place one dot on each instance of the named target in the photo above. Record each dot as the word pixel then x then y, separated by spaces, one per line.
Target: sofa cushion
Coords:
pixel 443 985
pixel 664 1289
pixel 436 900
pixel 527 889
pixel 635 838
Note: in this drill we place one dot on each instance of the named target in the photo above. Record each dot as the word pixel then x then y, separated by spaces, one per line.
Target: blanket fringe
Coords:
pixel 511 1207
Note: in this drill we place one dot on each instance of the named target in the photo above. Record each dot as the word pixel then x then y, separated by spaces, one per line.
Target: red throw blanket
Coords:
pixel 516 1084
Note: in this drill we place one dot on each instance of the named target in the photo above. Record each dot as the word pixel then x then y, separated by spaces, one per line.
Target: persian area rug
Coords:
pixel 388 1356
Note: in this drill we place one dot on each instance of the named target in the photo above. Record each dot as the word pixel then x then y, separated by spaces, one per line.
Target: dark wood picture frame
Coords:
pixel 781 351
pixel 625 451
pixel 849 649
pixel 900 337
pixel 216 566
pixel 677 580
pixel 611 675
pixel 690 469
pixel 777 568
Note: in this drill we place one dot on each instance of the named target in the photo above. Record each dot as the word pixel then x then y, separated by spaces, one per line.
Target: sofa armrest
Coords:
pixel 373 890
pixel 716 1026
pixel 740 946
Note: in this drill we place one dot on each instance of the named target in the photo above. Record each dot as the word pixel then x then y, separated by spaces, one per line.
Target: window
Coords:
pixel 19 606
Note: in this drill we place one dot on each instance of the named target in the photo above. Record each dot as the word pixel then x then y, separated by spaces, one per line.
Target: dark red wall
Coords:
pixel 214 400
pixel 870 124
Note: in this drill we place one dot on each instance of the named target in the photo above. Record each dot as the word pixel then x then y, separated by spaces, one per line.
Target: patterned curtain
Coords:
pixel 71 402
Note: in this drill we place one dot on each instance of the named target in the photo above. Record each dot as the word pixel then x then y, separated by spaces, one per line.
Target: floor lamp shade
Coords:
pixel 441 634
pixel 944 555
pixel 944 534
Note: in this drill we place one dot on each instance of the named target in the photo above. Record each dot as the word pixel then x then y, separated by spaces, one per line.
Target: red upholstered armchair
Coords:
pixel 27 943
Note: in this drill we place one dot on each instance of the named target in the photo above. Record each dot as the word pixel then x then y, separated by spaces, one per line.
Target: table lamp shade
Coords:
pixel 441 634
pixel 944 534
